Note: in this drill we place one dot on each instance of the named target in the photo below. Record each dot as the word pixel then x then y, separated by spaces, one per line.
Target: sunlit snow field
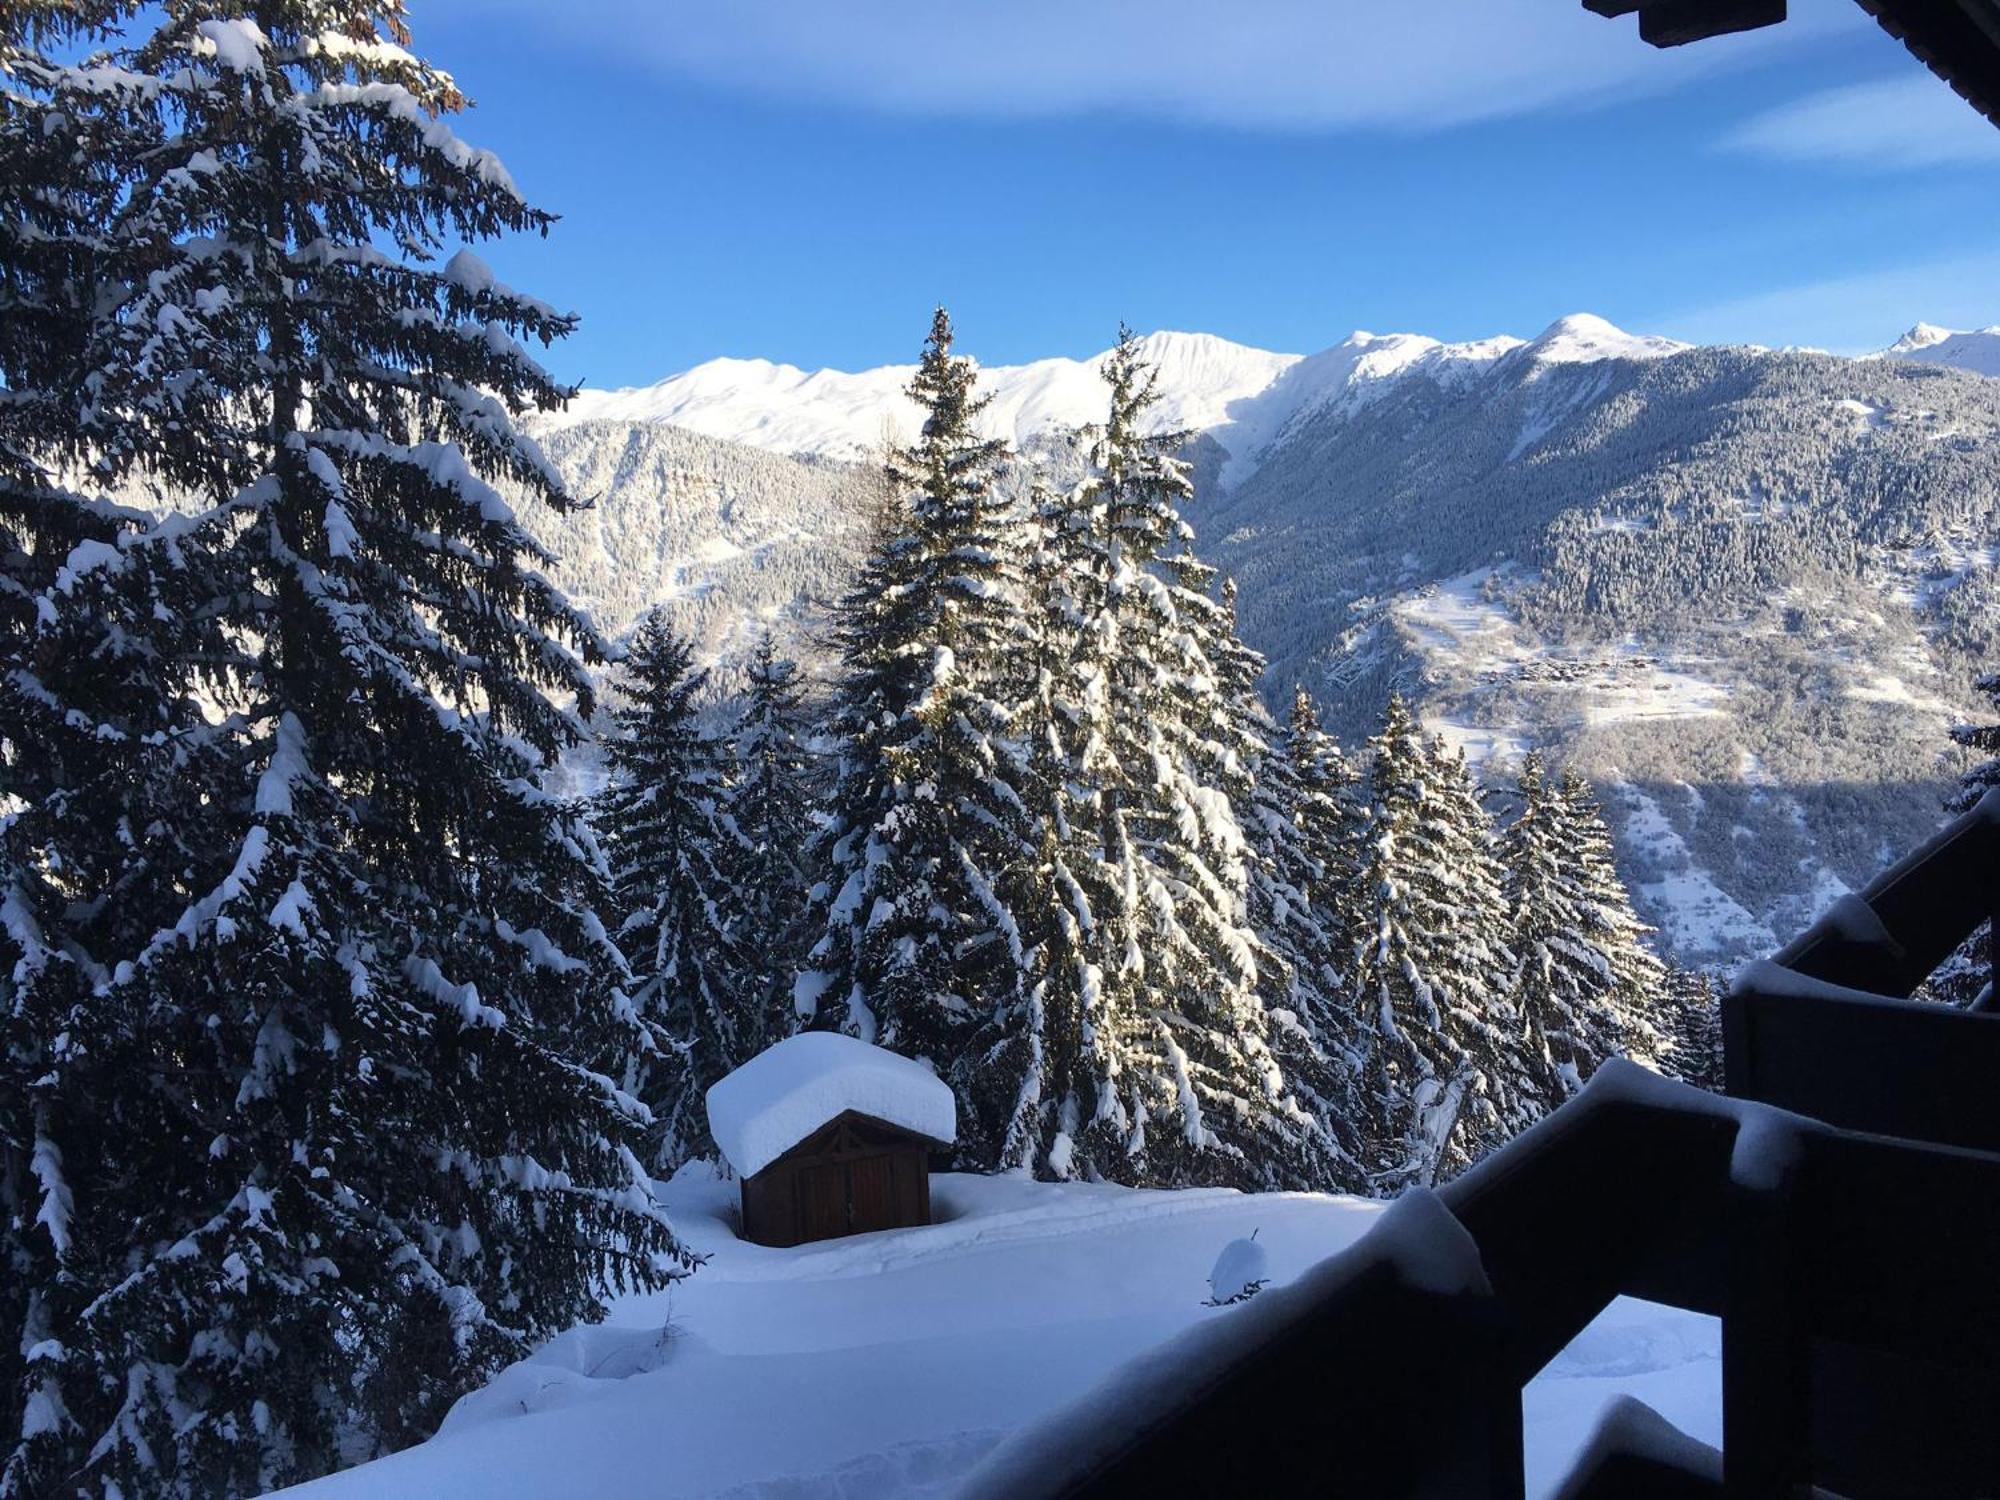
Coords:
pixel 887 1365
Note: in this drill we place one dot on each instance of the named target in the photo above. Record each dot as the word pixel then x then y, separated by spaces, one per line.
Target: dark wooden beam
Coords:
pixel 1959 40
pixel 1675 23
pixel 1903 1068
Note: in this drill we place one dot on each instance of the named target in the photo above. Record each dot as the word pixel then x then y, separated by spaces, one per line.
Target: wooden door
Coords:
pixel 872 1185
pixel 822 1200
pixel 912 1187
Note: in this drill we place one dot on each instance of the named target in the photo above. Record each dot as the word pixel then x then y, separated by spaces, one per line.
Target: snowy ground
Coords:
pixel 886 1365
pixel 1696 917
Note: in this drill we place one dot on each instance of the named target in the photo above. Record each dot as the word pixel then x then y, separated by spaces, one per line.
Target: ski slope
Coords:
pixel 888 1365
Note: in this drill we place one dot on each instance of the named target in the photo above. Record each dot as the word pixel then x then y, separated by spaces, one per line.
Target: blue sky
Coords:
pixel 801 181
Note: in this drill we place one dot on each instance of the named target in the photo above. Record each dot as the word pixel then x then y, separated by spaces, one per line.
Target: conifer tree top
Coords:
pixel 943 386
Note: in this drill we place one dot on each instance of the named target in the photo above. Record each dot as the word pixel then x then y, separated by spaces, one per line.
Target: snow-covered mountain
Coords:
pixel 1746 590
pixel 838 415
pixel 1242 397
pixel 1977 351
pixel 732 539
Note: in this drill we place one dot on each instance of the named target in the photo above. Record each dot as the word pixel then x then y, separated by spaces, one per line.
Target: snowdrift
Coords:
pixel 890 1365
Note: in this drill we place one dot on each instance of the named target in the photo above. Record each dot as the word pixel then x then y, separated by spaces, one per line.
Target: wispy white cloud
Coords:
pixel 1854 314
pixel 1292 65
pixel 1890 124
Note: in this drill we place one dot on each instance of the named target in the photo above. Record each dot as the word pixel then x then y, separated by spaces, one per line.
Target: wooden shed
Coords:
pixel 831 1136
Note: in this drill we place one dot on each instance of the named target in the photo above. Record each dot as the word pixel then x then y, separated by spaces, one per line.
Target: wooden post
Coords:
pixel 1737 1069
pixel 1766 1349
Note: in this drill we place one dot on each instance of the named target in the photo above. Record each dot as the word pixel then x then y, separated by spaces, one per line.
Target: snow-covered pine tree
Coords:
pixel 1307 826
pixel 1485 1025
pixel 1585 983
pixel 1693 1027
pixel 385 1158
pixel 1294 911
pixel 80 687
pixel 1033 1068
pixel 51 210
pixel 99 733
pixel 927 826
pixel 72 690
pixel 54 203
pixel 675 852
pixel 100 728
pixel 772 805
pixel 1431 969
pixel 1331 816
pixel 43 196
pixel 1173 1080
pixel 1557 973
pixel 96 771
pixel 1632 973
pixel 1393 910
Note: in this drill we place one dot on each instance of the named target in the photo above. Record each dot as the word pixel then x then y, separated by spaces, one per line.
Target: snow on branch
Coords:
pixel 393 101
pixel 430 981
pixel 238 45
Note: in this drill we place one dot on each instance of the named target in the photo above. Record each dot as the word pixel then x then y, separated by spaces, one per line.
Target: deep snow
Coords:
pixel 889 1365
pixel 791 1089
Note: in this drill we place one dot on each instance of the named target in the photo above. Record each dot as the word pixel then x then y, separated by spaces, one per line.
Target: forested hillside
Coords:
pixel 729 538
pixel 1747 592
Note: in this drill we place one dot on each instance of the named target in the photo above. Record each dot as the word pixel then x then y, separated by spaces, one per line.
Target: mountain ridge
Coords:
pixel 1242 396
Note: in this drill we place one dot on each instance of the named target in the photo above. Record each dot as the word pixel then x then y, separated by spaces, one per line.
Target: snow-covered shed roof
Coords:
pixel 791 1089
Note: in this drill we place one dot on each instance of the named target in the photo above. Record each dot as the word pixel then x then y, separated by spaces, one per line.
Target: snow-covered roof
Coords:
pixel 787 1091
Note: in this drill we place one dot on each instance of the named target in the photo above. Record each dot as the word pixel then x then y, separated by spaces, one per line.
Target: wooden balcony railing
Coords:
pixel 1839 1213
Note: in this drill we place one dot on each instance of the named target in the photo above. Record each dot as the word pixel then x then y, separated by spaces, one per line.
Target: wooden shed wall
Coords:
pixel 856 1175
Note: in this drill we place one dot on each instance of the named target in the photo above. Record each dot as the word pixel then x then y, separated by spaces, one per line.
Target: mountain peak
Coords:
pixel 1922 336
pixel 1204 366
pixel 1584 325
pixel 1977 350
pixel 1584 338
